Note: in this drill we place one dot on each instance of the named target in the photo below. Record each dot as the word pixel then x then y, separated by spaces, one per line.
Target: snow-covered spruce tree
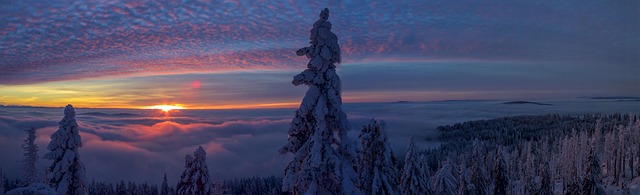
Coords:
pixel 30 157
pixel 464 182
pixel 377 169
pixel 544 171
pixel 636 128
pixel 195 178
pixel 592 183
pixel 165 186
pixel 324 157
pixel 478 174
pixel 527 181
pixel 1 182
pixel 424 166
pixel 67 168
pixel 444 181
pixel 414 179
pixel 499 174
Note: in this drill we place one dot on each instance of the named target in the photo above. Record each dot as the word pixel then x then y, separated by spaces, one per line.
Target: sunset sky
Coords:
pixel 240 54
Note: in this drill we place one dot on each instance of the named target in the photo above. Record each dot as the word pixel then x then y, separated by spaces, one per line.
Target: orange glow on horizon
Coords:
pixel 252 106
pixel 165 108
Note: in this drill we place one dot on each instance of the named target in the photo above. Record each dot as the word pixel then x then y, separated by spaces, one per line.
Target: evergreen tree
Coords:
pixel 414 179
pixel 376 170
pixel 478 175
pixel 592 182
pixel 1 182
pixel 67 168
pixel 636 128
pixel 444 181
pixel 165 186
pixel 30 157
pixel 546 181
pixel 501 182
pixel 121 188
pixel 529 184
pixel 195 178
pixel 465 187
pixel 324 157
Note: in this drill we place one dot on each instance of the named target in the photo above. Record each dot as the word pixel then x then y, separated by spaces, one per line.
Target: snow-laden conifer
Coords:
pixel 444 181
pixel 1 182
pixel 324 157
pixel 67 168
pixel 164 189
pixel 592 183
pixel 478 173
pixel 195 178
pixel 30 173
pixel 499 172
pixel 377 168
pixel 414 179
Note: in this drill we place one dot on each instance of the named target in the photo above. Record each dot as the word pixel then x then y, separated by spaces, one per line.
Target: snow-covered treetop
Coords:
pixel 200 154
pixel 69 111
pixel 67 136
pixel 67 168
pixel 324 156
pixel 323 52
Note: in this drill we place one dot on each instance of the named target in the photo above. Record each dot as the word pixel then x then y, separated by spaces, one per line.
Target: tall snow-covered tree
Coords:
pixel 465 187
pixel 377 168
pixel 546 182
pixel 478 174
pixel 67 168
pixel 1 182
pixel 195 178
pixel 444 181
pixel 324 158
pixel 571 185
pixel 30 157
pixel 631 139
pixel 636 131
pixel 592 183
pixel 165 186
pixel 414 179
pixel 527 181
pixel 501 182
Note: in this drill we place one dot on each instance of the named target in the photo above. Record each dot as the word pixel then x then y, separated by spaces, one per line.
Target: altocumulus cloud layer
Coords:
pixel 65 40
pixel 142 145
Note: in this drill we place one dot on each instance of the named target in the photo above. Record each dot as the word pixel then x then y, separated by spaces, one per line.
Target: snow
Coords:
pixel 377 169
pixel 444 181
pixel 67 168
pixel 1 182
pixel 30 158
pixel 195 178
pixel 324 156
pixel 33 189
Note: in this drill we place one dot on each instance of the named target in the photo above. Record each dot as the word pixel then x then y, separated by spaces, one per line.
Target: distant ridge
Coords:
pixel 105 114
pixel 526 102
pixel 19 106
pixel 631 98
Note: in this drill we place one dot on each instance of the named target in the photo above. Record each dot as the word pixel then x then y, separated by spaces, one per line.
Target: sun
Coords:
pixel 165 108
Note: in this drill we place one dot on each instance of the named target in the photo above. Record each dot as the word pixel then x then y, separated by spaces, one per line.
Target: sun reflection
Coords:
pixel 165 108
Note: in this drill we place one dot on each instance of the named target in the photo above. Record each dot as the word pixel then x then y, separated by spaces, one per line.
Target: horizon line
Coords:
pixel 281 105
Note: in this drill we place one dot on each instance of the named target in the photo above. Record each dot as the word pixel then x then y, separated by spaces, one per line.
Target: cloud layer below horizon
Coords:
pixel 142 145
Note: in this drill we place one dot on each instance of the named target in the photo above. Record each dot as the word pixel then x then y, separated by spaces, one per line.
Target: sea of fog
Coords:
pixel 142 145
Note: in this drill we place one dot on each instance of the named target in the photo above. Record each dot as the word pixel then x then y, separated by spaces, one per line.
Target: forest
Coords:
pixel 537 154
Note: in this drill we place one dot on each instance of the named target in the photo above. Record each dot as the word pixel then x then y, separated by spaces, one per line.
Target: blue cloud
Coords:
pixel 52 41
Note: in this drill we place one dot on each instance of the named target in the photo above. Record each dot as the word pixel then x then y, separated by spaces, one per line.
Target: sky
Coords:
pixel 240 54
